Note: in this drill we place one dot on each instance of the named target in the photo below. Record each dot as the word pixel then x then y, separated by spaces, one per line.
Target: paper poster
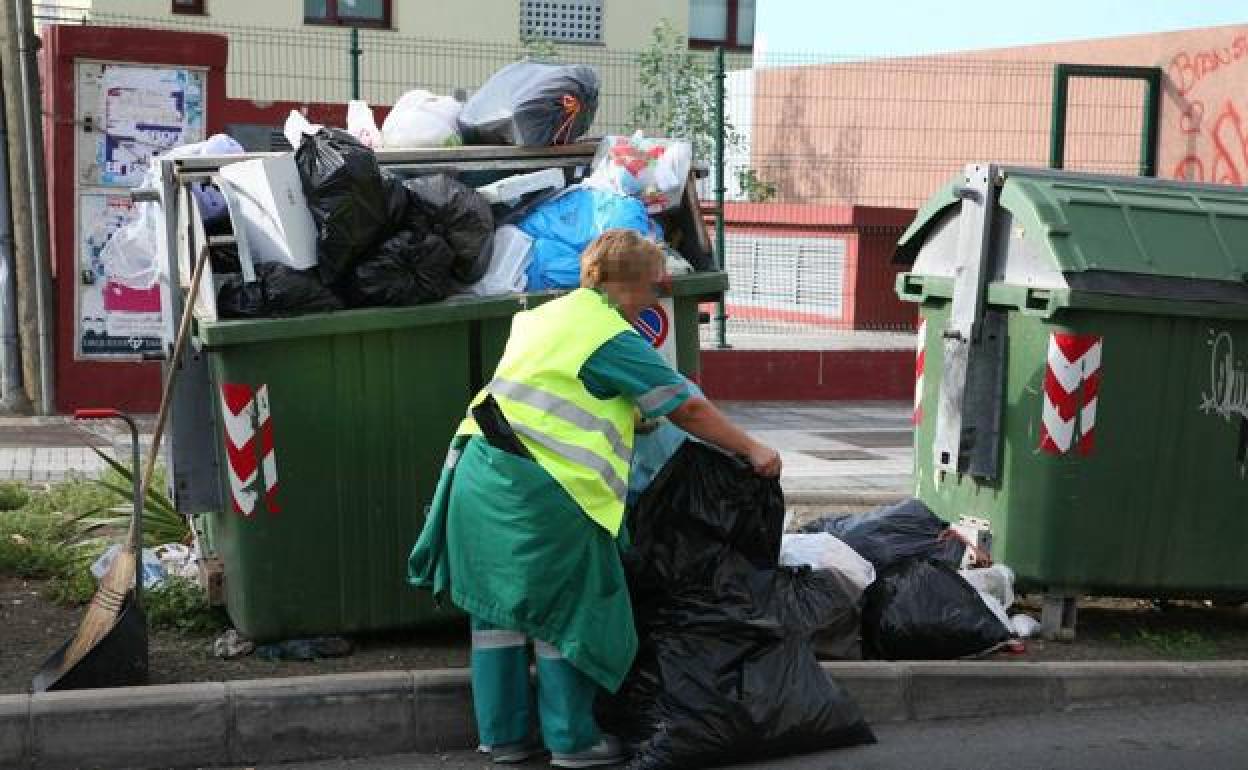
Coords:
pixel 145 111
pixel 113 319
pixel 125 115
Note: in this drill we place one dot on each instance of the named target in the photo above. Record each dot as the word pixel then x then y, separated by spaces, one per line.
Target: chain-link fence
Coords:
pixel 824 158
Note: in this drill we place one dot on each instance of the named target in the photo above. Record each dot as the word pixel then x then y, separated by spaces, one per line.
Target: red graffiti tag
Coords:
pixel 1230 152
pixel 1187 69
pixel 1230 142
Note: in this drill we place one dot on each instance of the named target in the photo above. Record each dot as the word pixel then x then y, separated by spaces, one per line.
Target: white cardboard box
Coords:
pixel 269 212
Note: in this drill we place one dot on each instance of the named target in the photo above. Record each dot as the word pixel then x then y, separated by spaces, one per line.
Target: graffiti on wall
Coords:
pixel 1213 126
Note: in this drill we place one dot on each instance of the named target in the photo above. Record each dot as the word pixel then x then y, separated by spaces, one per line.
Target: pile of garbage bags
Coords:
pixel 926 593
pixel 726 670
pixel 326 228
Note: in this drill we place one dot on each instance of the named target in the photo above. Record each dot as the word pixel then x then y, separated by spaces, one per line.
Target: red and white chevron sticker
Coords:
pixel 1072 380
pixel 241 411
pixel 920 362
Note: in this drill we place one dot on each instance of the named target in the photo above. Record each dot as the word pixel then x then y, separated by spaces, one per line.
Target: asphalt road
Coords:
pixel 1204 736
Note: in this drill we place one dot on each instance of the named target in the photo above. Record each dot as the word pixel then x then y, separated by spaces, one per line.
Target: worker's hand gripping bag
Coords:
pixel 726 671
pixel 531 104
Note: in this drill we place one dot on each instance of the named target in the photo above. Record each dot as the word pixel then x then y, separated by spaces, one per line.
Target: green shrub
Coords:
pixel 181 605
pixel 13 495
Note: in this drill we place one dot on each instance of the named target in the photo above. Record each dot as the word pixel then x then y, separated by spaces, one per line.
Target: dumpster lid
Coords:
pixel 1088 223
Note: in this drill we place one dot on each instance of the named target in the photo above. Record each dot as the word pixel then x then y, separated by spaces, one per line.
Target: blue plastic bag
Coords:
pixel 562 227
pixel 652 450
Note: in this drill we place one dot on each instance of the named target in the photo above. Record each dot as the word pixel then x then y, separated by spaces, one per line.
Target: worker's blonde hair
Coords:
pixel 620 256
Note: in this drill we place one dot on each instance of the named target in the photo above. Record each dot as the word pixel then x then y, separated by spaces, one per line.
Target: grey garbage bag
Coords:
pixel 530 103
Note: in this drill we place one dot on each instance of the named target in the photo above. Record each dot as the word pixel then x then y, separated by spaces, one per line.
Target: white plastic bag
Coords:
pixel 421 119
pixel 513 250
pixel 654 170
pixel 1025 626
pixel 297 126
pixel 822 551
pixel 135 254
pixel 361 124
pixel 997 581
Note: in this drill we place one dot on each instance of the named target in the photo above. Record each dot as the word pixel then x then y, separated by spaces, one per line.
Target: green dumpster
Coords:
pixel 1083 379
pixel 334 430
pixel 313 444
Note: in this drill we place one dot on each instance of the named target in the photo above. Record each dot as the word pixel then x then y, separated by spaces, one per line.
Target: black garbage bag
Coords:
pixel 224 258
pixel 922 609
pixel 725 671
pixel 409 270
pixel 277 291
pixel 533 104
pixel 347 199
pixel 459 214
pixel 889 535
pixel 399 214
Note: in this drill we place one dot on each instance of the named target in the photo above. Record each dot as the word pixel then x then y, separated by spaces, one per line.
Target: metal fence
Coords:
pixel 824 158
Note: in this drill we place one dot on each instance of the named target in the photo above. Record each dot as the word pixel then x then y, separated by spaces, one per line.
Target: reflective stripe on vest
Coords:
pixel 584 442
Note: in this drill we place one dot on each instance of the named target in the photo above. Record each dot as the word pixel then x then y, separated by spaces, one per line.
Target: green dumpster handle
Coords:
pixel 1046 303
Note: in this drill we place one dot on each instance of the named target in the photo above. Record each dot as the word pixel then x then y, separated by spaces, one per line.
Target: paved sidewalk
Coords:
pixel 47 449
pixel 848 454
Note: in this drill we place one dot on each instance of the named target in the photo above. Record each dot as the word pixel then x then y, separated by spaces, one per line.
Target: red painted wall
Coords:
pixel 808 375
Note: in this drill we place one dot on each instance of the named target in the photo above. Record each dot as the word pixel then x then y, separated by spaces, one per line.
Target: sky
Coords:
pixel 905 27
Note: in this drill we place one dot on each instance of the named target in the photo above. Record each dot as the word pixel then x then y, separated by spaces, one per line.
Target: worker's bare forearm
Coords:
pixel 701 418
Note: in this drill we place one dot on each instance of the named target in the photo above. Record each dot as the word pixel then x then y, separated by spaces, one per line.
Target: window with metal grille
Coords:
pixel 564 21
pixel 188 6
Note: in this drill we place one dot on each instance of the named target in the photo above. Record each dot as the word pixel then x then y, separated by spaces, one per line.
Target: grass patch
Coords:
pixel 1178 643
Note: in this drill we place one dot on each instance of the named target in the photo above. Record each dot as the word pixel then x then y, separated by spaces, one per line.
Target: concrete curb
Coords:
pixel 834 500
pixel 387 712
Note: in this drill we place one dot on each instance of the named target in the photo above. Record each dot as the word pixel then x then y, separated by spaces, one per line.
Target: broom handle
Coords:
pixel 149 468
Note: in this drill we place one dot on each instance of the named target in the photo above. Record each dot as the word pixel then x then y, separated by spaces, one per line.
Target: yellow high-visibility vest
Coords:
pixel 584 442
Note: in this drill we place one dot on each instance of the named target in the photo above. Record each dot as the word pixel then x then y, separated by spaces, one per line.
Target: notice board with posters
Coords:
pixel 124 115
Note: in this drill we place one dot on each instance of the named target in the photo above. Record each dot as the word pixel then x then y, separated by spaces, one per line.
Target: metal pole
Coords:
pixel 12 396
pixel 721 314
pixel 1152 121
pixel 19 204
pixel 1057 135
pixel 32 134
pixel 355 62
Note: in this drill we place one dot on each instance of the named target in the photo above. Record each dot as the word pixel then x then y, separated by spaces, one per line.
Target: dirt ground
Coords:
pixel 31 627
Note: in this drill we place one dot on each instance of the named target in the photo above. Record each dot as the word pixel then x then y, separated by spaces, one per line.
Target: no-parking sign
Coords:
pixel 654 323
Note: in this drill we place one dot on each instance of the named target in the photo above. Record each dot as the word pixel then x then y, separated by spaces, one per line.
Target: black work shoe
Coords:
pixel 608 751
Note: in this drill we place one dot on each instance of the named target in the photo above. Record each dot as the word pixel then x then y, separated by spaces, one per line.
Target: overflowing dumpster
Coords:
pixel 1082 380
pixel 312 444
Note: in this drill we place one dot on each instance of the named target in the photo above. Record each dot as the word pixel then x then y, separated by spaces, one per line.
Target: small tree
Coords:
pixel 678 93
pixel 678 100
